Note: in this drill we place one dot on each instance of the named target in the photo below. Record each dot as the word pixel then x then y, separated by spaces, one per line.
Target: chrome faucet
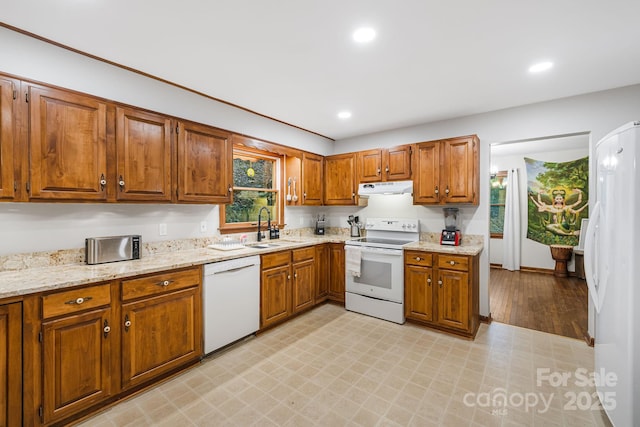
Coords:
pixel 260 236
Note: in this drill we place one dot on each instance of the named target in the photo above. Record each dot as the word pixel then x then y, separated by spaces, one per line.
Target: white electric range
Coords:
pixel 375 285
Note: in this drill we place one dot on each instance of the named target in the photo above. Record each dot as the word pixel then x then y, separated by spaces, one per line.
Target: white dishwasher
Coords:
pixel 231 301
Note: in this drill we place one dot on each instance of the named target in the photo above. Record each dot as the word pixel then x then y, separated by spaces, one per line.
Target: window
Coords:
pixel 498 196
pixel 256 177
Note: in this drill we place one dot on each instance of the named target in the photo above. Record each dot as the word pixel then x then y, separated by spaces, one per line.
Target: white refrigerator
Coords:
pixel 612 269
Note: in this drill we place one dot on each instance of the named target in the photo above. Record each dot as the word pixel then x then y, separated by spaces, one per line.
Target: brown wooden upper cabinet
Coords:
pixel 205 164
pixel 312 181
pixel 385 164
pixel 8 137
pixel 143 156
pixel 340 179
pixel 447 171
pixel 67 143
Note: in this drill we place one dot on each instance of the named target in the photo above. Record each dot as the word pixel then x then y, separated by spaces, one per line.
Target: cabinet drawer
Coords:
pixel 418 258
pixel 303 254
pixel 75 300
pixel 453 262
pixel 160 283
pixel 275 259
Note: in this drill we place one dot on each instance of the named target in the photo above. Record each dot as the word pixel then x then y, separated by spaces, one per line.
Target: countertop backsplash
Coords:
pixel 22 261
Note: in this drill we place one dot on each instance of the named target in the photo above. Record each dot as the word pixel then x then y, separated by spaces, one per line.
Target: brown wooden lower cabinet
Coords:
pixel 101 342
pixel 323 267
pixel 287 284
pixel 11 364
pixel 337 272
pixel 441 290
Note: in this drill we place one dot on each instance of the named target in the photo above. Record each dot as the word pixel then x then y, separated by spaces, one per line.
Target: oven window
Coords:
pixel 375 273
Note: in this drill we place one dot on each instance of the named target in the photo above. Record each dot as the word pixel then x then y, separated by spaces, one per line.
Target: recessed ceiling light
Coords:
pixel 344 115
pixel 540 67
pixel 364 35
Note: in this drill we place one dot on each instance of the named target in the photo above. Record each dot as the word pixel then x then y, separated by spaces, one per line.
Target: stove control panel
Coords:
pixel 393 224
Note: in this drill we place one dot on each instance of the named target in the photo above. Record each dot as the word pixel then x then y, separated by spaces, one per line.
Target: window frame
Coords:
pixel 503 175
pixel 241 227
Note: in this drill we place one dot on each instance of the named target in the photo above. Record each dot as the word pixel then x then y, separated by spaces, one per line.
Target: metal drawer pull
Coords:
pixel 79 300
pixel 164 283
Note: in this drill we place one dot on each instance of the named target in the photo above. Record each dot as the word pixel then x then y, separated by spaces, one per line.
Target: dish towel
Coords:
pixel 353 255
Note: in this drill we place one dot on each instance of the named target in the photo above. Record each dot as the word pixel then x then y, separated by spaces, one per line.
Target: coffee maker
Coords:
pixel 451 235
pixel 320 225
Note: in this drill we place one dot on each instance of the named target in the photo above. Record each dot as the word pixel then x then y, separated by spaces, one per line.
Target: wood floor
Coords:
pixel 539 301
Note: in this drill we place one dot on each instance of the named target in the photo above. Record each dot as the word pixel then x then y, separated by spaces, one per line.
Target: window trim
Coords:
pixel 502 174
pixel 241 227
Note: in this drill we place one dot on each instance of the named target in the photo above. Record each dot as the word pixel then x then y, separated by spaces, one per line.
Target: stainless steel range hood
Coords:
pixel 392 187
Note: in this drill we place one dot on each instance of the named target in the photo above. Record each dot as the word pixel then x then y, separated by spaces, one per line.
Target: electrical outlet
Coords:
pixel 203 226
pixel 162 229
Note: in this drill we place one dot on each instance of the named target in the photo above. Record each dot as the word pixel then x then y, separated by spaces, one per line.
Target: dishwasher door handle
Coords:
pixel 232 270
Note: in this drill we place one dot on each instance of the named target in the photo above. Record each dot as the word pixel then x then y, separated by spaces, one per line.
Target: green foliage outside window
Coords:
pixel 498 197
pixel 254 187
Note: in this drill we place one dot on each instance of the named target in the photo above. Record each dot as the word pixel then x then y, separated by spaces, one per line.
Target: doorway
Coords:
pixel 531 296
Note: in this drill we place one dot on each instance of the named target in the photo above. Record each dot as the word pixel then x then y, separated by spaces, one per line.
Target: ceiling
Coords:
pixel 295 61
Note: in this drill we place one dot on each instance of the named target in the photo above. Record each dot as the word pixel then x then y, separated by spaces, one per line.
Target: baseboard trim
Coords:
pixel 486 319
pixel 589 339
pixel 533 270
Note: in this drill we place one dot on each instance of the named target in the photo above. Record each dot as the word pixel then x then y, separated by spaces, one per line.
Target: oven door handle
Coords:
pixel 382 251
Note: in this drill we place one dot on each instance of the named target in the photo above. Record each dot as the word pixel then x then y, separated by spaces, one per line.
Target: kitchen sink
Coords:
pixel 265 245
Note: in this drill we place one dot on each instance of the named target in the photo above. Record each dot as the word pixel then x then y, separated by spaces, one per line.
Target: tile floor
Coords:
pixel 330 367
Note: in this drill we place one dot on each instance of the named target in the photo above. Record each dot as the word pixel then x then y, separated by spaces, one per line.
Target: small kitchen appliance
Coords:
pixel 320 223
pixel 450 235
pixel 355 224
pixel 99 250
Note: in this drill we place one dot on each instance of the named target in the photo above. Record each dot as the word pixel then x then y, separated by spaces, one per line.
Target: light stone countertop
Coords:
pixel 55 277
pixel 34 280
pixel 472 248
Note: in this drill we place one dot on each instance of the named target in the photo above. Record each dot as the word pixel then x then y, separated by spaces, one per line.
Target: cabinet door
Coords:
pixel 304 285
pixel 453 299
pixel 11 365
pixel 370 166
pixel 311 179
pixel 340 179
pixel 427 176
pixel 159 334
pixel 205 172
pixel 322 272
pixel 143 152
pixel 77 353
pixel 337 272
pixel 8 138
pixel 397 163
pixel 275 295
pixel 67 142
pixel 418 290
pixel 460 170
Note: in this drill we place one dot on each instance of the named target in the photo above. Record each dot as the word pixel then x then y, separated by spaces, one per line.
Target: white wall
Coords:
pixel 596 113
pixel 532 253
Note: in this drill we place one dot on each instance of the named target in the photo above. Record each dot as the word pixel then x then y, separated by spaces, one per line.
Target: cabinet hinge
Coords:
pixel 15 94
pixel 15 185
pixel 26 97
pixel 41 413
pixel 177 129
pixel 28 187
pixel 40 336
